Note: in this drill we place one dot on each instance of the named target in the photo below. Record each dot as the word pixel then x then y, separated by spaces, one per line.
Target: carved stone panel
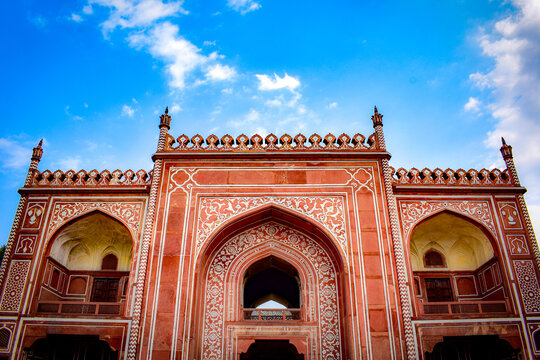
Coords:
pixel 13 289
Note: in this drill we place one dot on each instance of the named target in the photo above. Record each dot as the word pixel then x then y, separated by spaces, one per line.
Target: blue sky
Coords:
pixel 92 77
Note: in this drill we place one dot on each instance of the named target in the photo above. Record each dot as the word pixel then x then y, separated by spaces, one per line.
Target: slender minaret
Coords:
pixel 397 242
pixel 34 162
pixel 134 335
pixel 506 151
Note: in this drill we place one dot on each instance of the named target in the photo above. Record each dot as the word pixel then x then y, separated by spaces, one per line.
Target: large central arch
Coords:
pixel 320 331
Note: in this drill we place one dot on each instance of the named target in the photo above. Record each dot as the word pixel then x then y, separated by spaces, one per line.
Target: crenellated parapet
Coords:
pixel 450 177
pixel 271 142
pixel 95 178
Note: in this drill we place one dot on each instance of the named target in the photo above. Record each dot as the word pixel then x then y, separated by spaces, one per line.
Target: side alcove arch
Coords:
pixel 86 267
pixel 456 267
pixel 278 244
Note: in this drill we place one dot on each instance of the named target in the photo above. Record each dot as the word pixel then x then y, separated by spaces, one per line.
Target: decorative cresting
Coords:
pixel 271 142
pixel 91 178
pixel 134 334
pixel 450 177
pixel 129 212
pixel 325 210
pixel 397 244
pixel 34 162
pixel 241 245
pixel 412 211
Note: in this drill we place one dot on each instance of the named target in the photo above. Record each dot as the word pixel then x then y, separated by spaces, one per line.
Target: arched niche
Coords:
pixel 248 240
pixel 82 243
pixel 463 245
pixel 454 259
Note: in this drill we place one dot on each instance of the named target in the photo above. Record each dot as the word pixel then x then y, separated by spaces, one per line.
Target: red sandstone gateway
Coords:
pixel 276 248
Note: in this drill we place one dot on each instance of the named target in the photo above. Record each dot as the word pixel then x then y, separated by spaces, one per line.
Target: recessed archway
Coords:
pixel 310 262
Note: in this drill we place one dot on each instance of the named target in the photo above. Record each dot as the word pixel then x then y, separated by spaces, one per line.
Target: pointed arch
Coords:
pixel 280 214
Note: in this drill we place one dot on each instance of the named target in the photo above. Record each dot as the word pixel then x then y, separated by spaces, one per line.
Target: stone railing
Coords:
pixel 80 308
pixel 450 177
pixel 463 307
pixel 271 143
pixel 91 178
pixel 272 314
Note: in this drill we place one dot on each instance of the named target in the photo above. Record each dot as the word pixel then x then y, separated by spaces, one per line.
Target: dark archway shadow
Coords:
pixel 477 347
pixel 70 347
pixel 271 350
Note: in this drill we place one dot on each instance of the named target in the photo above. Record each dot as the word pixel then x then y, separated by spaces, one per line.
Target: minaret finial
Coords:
pixel 165 119
pixel 37 152
pixel 376 118
pixel 506 150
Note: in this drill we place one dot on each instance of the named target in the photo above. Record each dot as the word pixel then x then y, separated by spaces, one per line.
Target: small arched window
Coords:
pixel 434 258
pixel 109 262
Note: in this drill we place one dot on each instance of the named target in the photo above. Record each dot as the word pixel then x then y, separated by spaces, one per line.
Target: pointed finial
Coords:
pixel 506 150
pixel 37 151
pixel 165 119
pixel 376 118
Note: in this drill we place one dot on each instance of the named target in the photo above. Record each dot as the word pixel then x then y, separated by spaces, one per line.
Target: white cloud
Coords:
pixel 69 163
pixel 137 13
pixel 209 43
pixel 251 117
pixel 285 82
pixel 220 72
pixel 512 87
pixel 243 6
pixel 127 111
pixel 76 17
pixel 133 100
pixel 86 105
pixel 164 42
pixel 227 91
pixel 13 154
pixel 333 105
pixel 88 10
pixel 38 21
pixel 175 109
pixel 472 105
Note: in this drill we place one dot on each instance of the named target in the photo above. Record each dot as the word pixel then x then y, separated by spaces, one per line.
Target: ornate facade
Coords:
pixel 259 248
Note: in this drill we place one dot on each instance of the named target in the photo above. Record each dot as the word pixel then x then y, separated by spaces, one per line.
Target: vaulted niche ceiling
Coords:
pixel 83 244
pixel 463 245
pixel 271 279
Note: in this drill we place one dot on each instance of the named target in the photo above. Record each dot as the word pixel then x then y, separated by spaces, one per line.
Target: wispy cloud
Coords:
pixel 333 105
pixel 127 111
pixel 285 82
pixel 243 6
pixel 14 155
pixel 69 163
pixel 76 17
pixel 512 86
pixel 472 105
pixel 38 21
pixel 220 72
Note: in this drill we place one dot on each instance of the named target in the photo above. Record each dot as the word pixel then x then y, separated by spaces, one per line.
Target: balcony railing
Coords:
pixel 79 308
pixel 463 307
pixel 272 314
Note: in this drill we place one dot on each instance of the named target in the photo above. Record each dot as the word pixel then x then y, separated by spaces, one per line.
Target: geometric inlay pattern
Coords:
pixel 528 285
pixel 414 210
pixel 239 246
pixel 13 289
pixel 327 211
pixel 129 212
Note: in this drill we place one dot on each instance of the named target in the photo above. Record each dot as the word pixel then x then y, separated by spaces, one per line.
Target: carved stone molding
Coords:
pixel 328 211
pixel 129 212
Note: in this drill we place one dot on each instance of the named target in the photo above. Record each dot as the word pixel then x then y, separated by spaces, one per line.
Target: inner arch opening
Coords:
pixel 271 279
